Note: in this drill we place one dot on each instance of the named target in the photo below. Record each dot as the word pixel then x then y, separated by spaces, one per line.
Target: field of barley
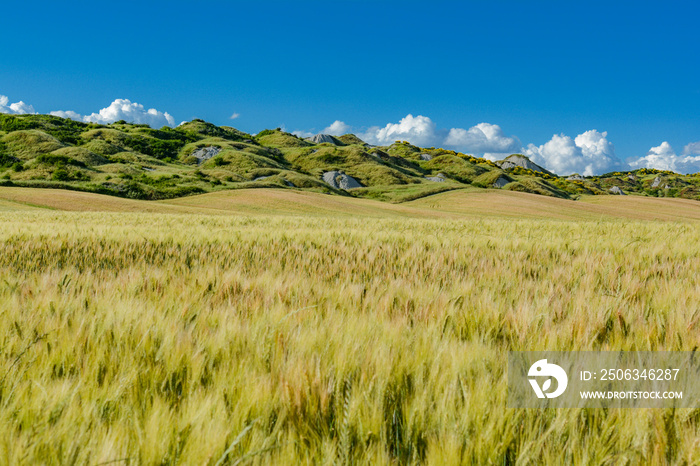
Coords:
pixel 181 337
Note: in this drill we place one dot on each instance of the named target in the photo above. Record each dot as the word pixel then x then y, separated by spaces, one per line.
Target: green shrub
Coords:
pixel 61 175
pixel 7 160
pixel 58 160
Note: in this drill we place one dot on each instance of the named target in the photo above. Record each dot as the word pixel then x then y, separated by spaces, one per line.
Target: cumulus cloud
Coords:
pixel 337 128
pixel 67 114
pixel 692 149
pixel 590 153
pixel 18 108
pixel 419 130
pixel 124 109
pixel 483 139
pixel 663 157
pixel 303 134
pixel 234 116
pixel 120 109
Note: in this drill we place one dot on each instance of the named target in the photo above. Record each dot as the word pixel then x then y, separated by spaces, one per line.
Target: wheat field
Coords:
pixel 182 338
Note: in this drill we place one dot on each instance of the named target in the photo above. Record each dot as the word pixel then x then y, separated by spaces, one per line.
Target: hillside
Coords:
pixel 138 162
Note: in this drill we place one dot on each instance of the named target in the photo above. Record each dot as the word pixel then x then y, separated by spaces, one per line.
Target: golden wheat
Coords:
pixel 174 339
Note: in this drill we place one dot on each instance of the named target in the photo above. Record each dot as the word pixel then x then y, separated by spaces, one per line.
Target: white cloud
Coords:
pixel 67 114
pixel 17 107
pixel 692 149
pixel 595 145
pixel 234 116
pixel 663 157
pixel 419 130
pixel 120 109
pixel 303 134
pixel 483 139
pixel 590 153
pixel 124 109
pixel 337 128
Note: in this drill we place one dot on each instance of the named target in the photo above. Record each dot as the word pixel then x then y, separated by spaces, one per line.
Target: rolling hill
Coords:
pixel 138 162
pixel 456 204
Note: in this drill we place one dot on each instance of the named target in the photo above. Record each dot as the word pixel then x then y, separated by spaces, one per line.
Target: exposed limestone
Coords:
pixel 205 153
pixel 500 182
pixel 438 178
pixel 321 138
pixel 518 160
pixel 340 180
pixel 617 190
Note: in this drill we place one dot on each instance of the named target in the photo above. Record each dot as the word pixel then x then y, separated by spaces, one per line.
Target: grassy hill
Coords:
pixel 138 162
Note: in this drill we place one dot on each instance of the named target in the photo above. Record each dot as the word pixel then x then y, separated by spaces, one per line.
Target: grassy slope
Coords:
pixel 138 162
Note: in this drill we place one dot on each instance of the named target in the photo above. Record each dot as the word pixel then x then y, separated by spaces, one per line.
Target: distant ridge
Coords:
pixel 139 162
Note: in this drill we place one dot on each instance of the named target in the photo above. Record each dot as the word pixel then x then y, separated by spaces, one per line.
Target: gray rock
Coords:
pixel 439 178
pixel 631 177
pixel 340 180
pixel 205 153
pixel 518 160
pixel 321 138
pixel 617 190
pixel 575 177
pixel 500 182
pixel 261 178
pixel 426 157
pixel 656 182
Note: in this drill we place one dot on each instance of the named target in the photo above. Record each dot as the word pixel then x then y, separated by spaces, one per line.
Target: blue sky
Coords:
pixel 527 72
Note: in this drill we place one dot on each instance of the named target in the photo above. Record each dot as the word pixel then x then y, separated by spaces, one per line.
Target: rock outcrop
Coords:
pixel 500 182
pixel 205 153
pixel 518 160
pixel 439 178
pixel 322 138
pixel 617 190
pixel 340 180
